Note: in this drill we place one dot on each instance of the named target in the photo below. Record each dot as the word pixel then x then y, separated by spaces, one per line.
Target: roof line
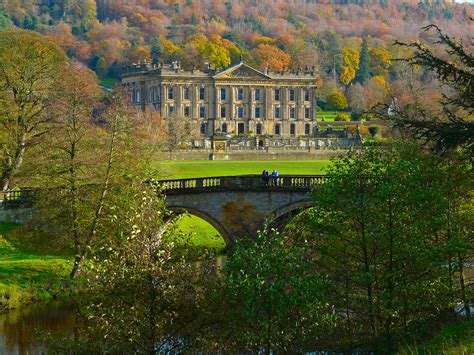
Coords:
pixel 239 65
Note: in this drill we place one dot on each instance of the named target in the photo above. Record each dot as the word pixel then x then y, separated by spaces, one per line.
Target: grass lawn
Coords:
pixel 108 82
pixel 202 233
pixel 193 169
pixel 453 340
pixel 27 276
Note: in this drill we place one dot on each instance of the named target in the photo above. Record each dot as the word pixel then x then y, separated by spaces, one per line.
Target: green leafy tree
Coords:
pixel 5 22
pixel 101 67
pixel 364 65
pixel 29 66
pixel 379 226
pixel 143 292
pixel 336 100
pixel 274 300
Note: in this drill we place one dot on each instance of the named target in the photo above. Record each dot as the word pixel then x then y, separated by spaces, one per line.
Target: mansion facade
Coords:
pixel 239 101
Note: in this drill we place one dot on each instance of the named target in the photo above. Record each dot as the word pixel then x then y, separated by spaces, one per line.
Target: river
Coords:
pixel 18 327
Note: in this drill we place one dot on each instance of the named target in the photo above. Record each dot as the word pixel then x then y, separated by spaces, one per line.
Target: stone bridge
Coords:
pixel 235 206
pixel 238 206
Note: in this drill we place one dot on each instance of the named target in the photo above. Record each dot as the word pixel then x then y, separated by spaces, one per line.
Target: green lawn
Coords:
pixel 108 82
pixel 202 233
pixel 453 340
pixel 205 168
pixel 27 276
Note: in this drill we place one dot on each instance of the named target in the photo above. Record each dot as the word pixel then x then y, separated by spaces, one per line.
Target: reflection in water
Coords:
pixel 17 327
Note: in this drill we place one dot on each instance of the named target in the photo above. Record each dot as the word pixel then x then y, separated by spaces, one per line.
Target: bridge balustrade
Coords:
pixel 243 182
pixel 17 198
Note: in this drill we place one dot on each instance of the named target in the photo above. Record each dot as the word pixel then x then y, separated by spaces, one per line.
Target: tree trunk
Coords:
pixel 462 283
pixel 11 167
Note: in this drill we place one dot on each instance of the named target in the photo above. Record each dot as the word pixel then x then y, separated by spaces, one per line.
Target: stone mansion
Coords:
pixel 239 104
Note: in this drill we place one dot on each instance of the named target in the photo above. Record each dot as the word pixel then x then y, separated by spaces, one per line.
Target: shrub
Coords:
pixel 342 117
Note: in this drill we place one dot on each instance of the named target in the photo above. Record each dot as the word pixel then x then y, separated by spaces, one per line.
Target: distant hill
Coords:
pixel 107 34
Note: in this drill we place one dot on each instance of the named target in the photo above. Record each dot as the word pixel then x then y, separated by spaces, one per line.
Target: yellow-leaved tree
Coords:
pixel 350 66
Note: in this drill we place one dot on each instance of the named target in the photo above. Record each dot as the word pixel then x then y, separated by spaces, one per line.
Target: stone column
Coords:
pixel 164 100
pixel 178 99
pixel 230 114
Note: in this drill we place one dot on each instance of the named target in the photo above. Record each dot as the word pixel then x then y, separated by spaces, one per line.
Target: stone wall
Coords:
pixel 15 215
pixel 258 155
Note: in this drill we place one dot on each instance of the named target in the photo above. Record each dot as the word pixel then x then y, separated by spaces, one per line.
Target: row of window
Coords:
pixel 135 97
pixel 240 94
pixel 240 112
pixel 259 129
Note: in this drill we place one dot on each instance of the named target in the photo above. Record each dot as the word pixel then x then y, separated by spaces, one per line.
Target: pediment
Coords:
pixel 243 71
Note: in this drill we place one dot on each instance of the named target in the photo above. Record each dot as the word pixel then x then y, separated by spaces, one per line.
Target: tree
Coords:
pixel 29 66
pixel 452 129
pixel 274 300
pixel 5 22
pixel 101 67
pixel 179 133
pixel 378 225
pixel 336 101
pixel 143 292
pixel 364 72
pixel 267 55
pixel 380 61
pixel 71 149
pixel 350 65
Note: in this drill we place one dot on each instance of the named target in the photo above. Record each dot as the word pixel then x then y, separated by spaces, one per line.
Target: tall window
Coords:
pixel 186 111
pixel 277 129
pixel 224 127
pixel 223 94
pixel 240 94
pixel 257 112
pixel 307 129
pixel 170 110
pixel 257 94
pixel 203 128
pixel 202 93
pixel 137 97
pixel 306 95
pixel 306 112
pixel 240 112
pixel 223 111
pixel 292 129
pixel 277 112
pixel 259 128
pixel 186 94
pixel 292 112
pixel 292 94
pixel 277 95
pixel 240 128
pixel 202 112
pixel 170 93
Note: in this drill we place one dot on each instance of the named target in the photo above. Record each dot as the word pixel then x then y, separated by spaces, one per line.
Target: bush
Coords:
pixel 342 117
pixel 336 101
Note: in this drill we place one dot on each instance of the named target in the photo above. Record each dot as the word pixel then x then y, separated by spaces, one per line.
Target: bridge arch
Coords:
pixel 212 221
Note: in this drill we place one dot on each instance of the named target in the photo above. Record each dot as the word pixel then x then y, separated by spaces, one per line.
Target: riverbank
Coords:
pixel 28 276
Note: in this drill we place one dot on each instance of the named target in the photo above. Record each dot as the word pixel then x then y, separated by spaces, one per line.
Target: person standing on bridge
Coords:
pixel 265 177
pixel 275 178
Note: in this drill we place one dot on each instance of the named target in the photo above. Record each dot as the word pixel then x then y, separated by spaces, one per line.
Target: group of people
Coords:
pixel 270 179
